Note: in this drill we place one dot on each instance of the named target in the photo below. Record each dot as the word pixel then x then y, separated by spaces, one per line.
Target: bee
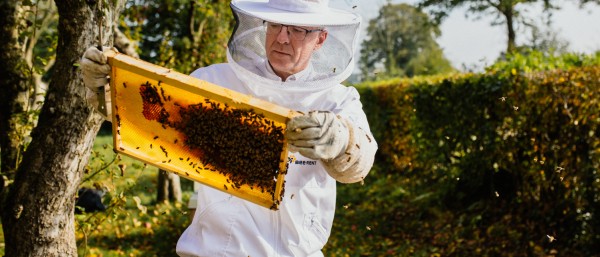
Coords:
pixel 368 138
pixel 150 146
pixel 292 196
pixel 155 137
pixel 124 85
pixel 164 151
pixel 334 69
pixel 357 146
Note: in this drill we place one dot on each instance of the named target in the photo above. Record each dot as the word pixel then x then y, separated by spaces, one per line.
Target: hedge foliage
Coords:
pixel 502 163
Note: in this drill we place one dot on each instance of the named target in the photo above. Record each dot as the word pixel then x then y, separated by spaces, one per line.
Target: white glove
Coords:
pixel 95 68
pixel 95 71
pixel 318 135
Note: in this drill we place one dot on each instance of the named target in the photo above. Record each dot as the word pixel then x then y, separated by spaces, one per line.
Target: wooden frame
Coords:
pixel 153 143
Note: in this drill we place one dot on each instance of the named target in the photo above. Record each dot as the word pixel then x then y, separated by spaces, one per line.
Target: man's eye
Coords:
pixel 298 30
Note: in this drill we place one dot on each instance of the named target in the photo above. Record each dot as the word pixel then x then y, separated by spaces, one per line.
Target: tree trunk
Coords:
pixel 38 217
pixel 14 89
pixel 169 187
pixel 510 26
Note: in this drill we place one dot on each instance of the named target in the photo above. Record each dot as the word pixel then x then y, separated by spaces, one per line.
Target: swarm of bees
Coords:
pixel 241 144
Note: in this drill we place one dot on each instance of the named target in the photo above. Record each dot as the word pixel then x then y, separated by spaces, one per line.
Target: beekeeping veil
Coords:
pixel 330 65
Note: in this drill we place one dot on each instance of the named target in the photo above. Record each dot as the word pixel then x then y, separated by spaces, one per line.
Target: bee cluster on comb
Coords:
pixel 240 144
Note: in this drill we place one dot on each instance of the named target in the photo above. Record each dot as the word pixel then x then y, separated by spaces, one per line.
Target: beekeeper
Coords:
pixel 294 53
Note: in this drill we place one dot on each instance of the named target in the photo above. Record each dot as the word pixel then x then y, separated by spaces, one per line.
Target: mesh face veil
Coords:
pixel 329 65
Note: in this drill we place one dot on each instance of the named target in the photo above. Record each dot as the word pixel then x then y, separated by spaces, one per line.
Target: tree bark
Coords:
pixel 14 89
pixel 38 217
pixel 510 26
pixel 169 187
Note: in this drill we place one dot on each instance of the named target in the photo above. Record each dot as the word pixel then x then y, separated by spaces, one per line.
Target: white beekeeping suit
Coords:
pixel 225 225
pixel 331 142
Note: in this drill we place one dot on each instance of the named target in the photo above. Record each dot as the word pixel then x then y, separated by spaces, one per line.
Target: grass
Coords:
pixel 134 224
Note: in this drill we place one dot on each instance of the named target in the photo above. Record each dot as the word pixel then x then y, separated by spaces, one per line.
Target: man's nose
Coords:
pixel 283 37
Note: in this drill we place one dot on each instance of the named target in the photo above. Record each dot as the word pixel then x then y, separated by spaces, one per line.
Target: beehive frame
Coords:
pixel 154 143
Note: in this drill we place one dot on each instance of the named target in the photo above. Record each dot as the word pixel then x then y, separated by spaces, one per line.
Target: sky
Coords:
pixel 472 44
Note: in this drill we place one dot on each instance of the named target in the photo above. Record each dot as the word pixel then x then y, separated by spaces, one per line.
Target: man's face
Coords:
pixel 288 55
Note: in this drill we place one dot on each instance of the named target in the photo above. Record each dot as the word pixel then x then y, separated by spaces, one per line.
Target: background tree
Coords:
pixel 31 37
pixel 37 212
pixel 14 86
pixel 401 42
pixel 179 34
pixel 505 12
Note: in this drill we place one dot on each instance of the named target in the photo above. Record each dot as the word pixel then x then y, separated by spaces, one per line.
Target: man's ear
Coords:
pixel 321 39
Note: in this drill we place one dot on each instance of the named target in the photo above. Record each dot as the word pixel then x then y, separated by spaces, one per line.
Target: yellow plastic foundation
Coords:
pixel 152 142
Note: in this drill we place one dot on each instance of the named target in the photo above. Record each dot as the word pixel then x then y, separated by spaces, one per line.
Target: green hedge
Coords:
pixel 504 163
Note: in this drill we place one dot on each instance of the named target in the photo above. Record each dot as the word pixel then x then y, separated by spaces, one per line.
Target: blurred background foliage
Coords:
pixel 501 163
pixel 180 34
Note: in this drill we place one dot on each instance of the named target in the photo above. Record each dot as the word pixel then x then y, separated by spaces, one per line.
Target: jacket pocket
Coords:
pixel 313 236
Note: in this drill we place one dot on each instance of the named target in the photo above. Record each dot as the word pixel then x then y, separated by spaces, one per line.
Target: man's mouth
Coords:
pixel 281 52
